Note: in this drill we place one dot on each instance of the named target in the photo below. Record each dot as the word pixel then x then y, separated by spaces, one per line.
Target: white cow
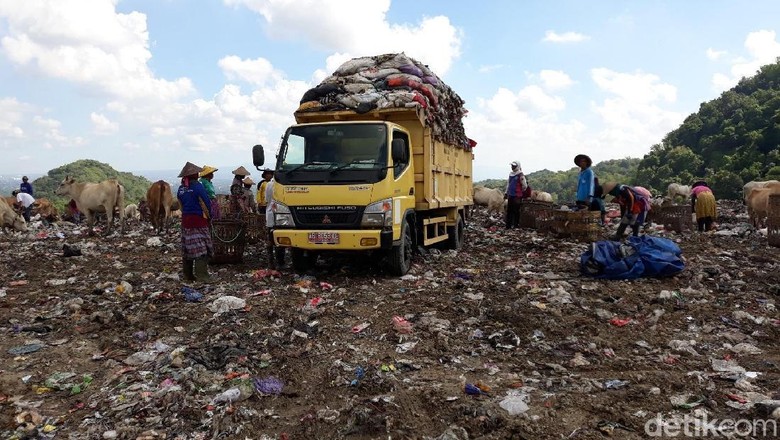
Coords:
pixel 750 186
pixel 93 198
pixel 492 198
pixel 541 196
pixel 131 211
pixel 675 190
pixel 10 218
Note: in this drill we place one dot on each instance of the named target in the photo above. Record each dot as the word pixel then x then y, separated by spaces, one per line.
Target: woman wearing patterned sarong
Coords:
pixel 196 244
pixel 704 205
pixel 206 177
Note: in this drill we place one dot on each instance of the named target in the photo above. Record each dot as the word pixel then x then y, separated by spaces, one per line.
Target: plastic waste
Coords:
pixel 224 304
pixel 268 385
pixel 514 403
pixel 191 295
pixel 401 325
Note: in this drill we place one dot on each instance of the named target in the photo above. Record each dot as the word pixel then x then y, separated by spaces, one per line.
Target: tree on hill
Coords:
pixel 87 170
pixel 731 140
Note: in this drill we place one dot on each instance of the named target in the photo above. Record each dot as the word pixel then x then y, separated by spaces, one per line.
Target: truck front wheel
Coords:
pixel 401 255
pixel 302 260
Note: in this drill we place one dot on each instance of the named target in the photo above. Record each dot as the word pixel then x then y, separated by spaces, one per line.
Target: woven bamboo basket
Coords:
pixel 532 212
pixel 256 231
pixel 582 225
pixel 677 217
pixel 773 206
pixel 229 238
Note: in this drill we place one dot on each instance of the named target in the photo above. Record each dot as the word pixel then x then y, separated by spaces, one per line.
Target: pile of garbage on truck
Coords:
pixel 392 81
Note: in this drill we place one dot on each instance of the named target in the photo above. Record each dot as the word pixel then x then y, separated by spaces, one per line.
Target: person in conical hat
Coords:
pixel 249 198
pixel 196 242
pixel 238 203
pixel 206 177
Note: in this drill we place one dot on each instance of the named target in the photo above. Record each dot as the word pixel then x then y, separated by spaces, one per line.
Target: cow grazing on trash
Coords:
pixel 10 218
pixel 44 208
pixel 675 190
pixel 492 198
pixel 541 196
pixel 131 212
pixel 758 204
pixel 160 198
pixel 93 198
pixel 750 186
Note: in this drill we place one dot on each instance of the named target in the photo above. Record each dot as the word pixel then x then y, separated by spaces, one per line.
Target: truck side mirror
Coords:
pixel 258 156
pixel 399 151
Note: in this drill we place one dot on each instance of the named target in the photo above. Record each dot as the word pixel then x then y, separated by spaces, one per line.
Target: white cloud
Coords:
pixel 566 37
pixel 257 72
pixel 88 43
pixel 532 126
pixel 102 124
pixel 638 87
pixel 359 27
pixel 11 113
pixel 555 80
pixel 489 68
pixel 762 47
pixel 715 55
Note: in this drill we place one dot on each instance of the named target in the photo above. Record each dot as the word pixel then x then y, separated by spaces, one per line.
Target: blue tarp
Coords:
pixel 643 256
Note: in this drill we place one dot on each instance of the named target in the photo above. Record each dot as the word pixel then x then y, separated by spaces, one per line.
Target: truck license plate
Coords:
pixel 324 237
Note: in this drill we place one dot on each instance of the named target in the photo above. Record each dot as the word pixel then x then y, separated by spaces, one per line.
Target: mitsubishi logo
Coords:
pixel 325 219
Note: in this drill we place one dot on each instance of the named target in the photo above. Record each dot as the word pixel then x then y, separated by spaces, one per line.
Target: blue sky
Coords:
pixel 150 84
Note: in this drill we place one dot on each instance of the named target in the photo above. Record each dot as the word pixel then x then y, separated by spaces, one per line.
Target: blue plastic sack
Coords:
pixel 644 256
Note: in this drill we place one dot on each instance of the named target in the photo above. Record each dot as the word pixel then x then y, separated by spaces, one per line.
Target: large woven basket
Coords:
pixel 677 217
pixel 773 206
pixel 536 215
pixel 773 231
pixel 581 225
pixel 256 231
pixel 229 238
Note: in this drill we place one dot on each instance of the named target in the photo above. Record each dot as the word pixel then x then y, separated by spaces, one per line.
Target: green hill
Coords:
pixel 89 171
pixel 731 140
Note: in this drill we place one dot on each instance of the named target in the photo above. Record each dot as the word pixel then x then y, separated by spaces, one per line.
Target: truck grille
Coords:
pixel 327 217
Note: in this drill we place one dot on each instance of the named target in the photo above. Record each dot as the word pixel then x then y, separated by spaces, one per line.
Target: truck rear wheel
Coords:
pixel 401 255
pixel 457 234
pixel 302 260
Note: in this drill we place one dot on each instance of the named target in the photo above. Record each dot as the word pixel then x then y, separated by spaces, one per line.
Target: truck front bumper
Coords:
pixel 348 240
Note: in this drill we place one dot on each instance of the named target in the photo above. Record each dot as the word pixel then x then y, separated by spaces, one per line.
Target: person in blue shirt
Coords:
pixel 586 185
pixel 196 243
pixel 26 187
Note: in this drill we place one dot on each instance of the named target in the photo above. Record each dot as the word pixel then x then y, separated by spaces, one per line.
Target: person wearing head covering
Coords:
pixel 249 198
pixel 196 243
pixel 25 201
pixel 260 199
pixel 633 207
pixel 206 177
pixel 586 185
pixel 703 204
pixel 275 253
pixel 26 187
pixel 516 189
pixel 237 199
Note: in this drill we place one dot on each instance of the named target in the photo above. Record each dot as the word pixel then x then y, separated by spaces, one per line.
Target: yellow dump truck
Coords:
pixel 376 181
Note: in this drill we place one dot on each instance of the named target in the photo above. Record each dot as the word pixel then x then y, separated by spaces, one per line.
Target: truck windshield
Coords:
pixel 329 153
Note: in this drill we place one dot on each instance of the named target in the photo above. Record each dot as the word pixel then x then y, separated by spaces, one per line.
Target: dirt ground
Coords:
pixel 104 345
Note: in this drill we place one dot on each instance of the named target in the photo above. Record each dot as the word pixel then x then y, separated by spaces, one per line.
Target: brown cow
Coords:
pixel 159 198
pixel 143 210
pixel 758 204
pixel 46 210
pixel 94 198
pixel 9 218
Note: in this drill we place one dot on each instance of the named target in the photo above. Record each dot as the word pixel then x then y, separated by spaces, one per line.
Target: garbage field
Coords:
pixel 501 339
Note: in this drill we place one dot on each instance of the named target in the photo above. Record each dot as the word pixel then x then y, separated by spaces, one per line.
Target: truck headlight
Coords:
pixel 282 214
pixel 378 214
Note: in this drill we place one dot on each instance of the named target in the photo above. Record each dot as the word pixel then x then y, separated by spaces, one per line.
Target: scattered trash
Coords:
pixel 191 295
